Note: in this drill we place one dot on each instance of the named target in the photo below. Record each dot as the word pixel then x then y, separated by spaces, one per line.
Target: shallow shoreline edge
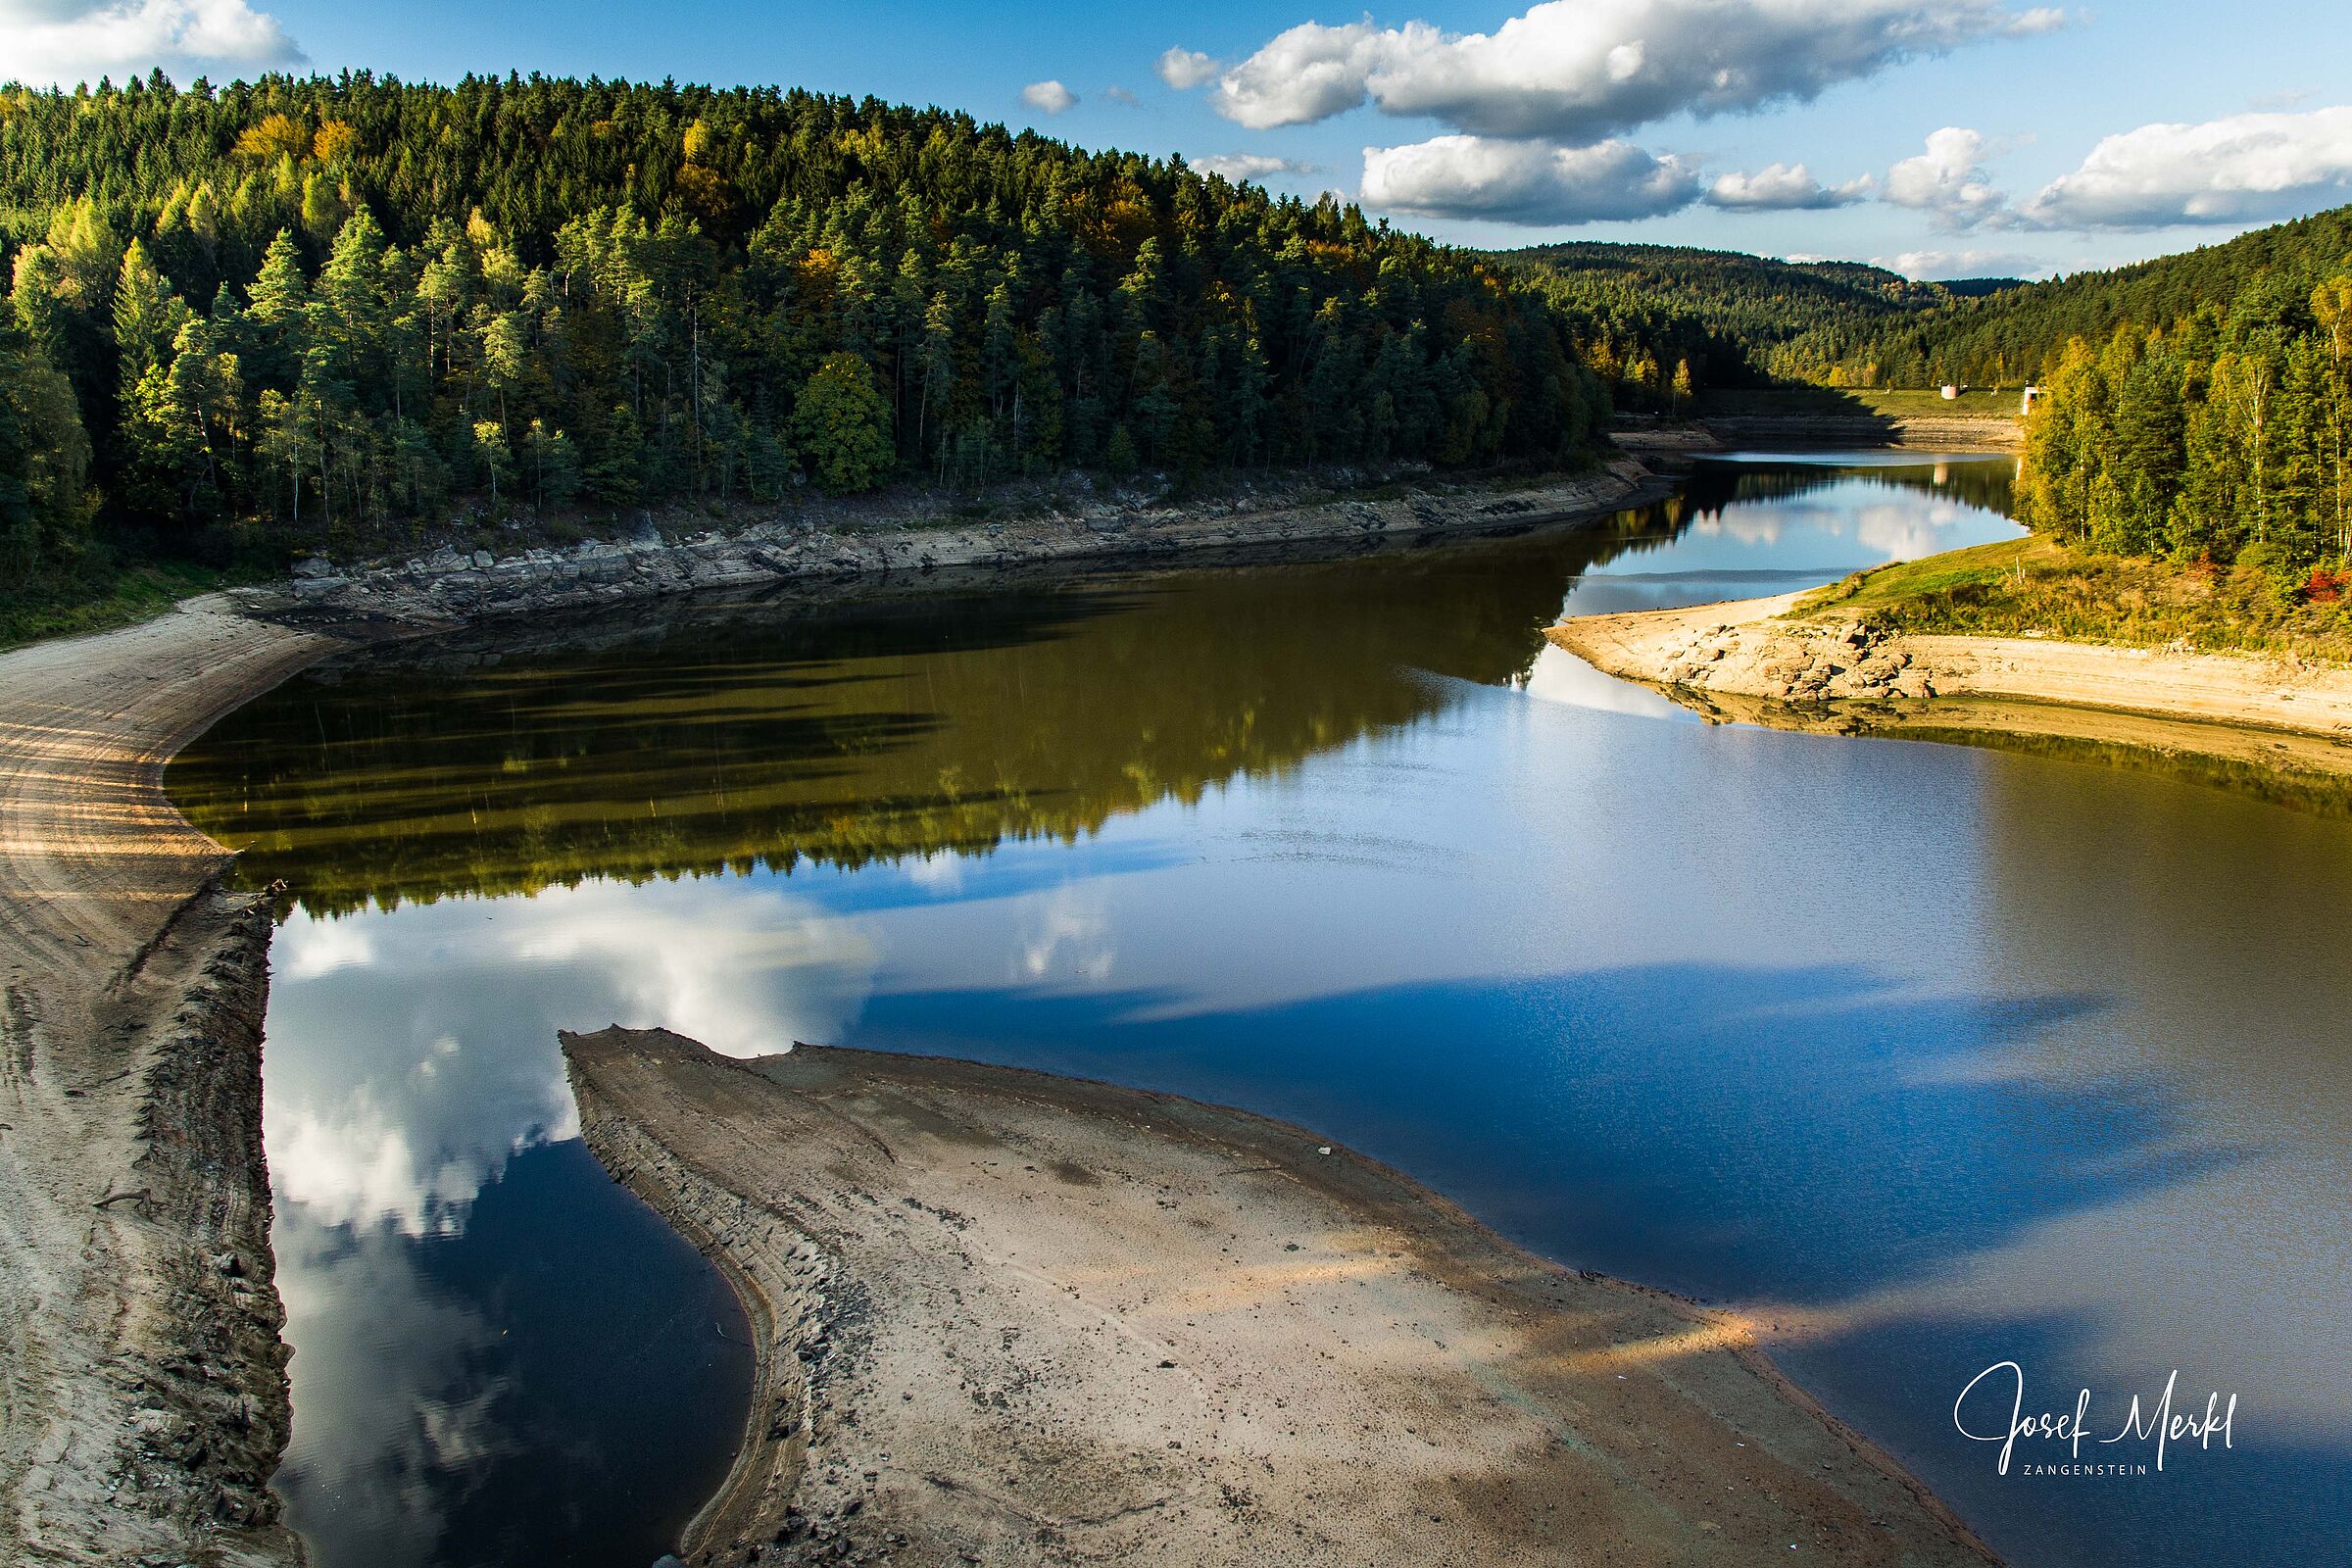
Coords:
pixel 140 1325
pixel 1748 660
pixel 749 1159
pixel 451 586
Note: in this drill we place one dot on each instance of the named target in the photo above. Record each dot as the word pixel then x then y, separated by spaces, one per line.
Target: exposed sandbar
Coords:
pixel 1749 660
pixel 1005 1317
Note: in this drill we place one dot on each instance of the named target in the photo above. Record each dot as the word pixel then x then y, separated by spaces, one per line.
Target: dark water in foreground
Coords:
pixel 1933 1057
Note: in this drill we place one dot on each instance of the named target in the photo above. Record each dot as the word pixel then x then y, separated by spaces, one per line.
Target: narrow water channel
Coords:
pixel 1931 1057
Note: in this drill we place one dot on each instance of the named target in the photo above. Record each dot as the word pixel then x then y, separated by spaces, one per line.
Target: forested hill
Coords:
pixel 1739 320
pixel 2016 335
pixel 2197 407
pixel 333 309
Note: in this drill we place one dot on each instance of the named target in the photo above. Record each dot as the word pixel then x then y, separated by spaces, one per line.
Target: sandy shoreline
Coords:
pixel 142 1389
pixel 1742 659
pixel 145 1392
pixel 1012 1318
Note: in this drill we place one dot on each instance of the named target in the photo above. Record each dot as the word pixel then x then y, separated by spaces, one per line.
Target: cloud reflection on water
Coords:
pixel 394 1407
pixel 426 1032
pixel 412 1063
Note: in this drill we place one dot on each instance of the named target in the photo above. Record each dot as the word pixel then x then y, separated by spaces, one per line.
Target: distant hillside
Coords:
pixel 2018 334
pixel 2197 407
pixel 1970 289
pixel 1737 319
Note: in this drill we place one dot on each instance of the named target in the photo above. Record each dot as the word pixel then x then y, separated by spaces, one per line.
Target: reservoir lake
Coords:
pixel 1926 1058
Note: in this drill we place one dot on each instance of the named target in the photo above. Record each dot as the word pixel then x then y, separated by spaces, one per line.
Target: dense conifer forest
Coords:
pixel 307 312
pixel 324 310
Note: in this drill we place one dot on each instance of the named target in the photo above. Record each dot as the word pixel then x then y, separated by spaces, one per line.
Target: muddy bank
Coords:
pixel 1659 440
pixel 1749 660
pixel 1012 1318
pixel 452 585
pixel 145 1397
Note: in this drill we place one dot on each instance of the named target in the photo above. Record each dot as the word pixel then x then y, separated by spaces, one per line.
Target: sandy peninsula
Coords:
pixel 1003 1317
pixel 1764 661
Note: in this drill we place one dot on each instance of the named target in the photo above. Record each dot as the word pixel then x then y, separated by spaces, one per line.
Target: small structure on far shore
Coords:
pixel 1951 393
pixel 2032 396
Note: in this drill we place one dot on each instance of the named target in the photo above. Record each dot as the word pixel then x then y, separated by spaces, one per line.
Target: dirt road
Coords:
pixel 143 1395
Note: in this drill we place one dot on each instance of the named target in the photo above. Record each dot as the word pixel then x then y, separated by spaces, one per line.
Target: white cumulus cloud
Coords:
pixel 1526 182
pixel 68 42
pixel 1186 69
pixel 2245 169
pixel 1306 74
pixel 1948 182
pixel 1047 97
pixel 1785 188
pixel 1250 166
pixel 1943 266
pixel 1579 70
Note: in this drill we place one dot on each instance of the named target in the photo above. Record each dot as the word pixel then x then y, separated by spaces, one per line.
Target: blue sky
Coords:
pixel 1945 138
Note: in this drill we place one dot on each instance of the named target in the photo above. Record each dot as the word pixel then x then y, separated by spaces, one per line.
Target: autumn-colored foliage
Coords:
pixel 334 142
pixel 275 136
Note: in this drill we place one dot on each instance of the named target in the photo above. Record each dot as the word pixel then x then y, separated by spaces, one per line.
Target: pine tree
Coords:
pixel 44 462
pixel 147 318
pixel 495 460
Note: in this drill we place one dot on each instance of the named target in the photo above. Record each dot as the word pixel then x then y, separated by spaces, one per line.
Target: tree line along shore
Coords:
pixel 363 316
pixel 304 313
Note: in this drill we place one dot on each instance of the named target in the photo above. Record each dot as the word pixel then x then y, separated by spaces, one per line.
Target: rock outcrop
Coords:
pixel 450 584
pixel 1754 659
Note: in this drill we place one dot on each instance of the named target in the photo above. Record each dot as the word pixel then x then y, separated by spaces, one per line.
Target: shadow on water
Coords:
pixel 1693 1102
pixel 687 740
